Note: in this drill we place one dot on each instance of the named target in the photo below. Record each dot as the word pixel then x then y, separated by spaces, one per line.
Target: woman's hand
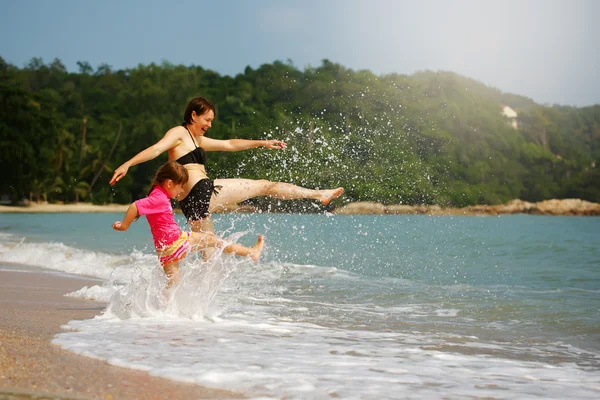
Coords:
pixel 275 144
pixel 119 173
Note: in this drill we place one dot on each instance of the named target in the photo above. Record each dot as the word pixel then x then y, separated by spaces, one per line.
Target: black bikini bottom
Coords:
pixel 195 204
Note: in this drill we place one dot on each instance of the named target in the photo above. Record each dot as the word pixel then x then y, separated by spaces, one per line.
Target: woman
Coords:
pixel 187 145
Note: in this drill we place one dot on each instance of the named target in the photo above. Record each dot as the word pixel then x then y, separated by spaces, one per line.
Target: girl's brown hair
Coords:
pixel 198 104
pixel 173 171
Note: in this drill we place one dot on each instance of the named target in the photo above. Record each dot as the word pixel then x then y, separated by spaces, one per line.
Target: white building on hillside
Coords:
pixel 511 115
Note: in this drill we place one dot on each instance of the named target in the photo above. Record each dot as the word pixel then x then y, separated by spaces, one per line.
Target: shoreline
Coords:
pixel 573 207
pixel 65 208
pixel 33 311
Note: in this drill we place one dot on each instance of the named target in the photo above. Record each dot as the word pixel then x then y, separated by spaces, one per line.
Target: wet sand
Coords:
pixel 32 309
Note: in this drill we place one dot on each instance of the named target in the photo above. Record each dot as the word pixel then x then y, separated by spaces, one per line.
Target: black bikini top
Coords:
pixel 196 156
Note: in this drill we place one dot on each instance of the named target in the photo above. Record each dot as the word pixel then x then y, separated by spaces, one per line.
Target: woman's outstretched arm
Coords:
pixel 210 144
pixel 171 139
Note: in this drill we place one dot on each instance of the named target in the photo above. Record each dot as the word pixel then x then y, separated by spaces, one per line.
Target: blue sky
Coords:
pixel 547 50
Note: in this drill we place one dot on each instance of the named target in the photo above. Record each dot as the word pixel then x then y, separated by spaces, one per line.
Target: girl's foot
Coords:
pixel 257 248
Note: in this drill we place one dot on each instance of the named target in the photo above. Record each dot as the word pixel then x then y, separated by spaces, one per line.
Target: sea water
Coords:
pixel 353 307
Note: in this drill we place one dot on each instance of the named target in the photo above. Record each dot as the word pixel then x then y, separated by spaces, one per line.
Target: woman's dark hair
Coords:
pixel 198 104
pixel 173 171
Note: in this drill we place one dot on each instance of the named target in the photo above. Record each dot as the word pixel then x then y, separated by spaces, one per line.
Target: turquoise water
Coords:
pixel 503 306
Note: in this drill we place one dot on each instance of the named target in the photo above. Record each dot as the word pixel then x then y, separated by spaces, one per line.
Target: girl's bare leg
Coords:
pixel 235 191
pixel 252 252
pixel 202 240
pixel 172 272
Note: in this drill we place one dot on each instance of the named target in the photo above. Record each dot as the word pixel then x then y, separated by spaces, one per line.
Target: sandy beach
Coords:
pixel 32 310
pixel 58 208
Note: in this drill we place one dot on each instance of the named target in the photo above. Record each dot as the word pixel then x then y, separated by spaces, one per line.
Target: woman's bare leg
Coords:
pixel 234 191
pixel 202 225
pixel 252 252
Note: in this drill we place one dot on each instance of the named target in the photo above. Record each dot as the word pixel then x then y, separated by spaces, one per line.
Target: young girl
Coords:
pixel 171 244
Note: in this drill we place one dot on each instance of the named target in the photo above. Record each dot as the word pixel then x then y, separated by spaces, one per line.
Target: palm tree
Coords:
pixel 103 166
pixel 39 189
pixel 70 188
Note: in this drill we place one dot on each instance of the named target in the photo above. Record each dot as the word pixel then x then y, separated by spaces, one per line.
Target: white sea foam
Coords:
pixel 114 270
pixel 60 257
pixel 97 292
pixel 300 360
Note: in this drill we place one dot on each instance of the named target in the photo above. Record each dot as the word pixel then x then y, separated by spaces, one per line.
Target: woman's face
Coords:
pixel 203 122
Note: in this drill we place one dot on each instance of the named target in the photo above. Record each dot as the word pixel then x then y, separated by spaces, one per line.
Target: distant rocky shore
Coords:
pixel 547 207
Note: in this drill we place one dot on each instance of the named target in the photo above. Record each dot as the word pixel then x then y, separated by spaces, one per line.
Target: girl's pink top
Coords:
pixel 159 213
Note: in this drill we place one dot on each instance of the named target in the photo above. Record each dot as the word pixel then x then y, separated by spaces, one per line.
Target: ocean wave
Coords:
pixel 60 257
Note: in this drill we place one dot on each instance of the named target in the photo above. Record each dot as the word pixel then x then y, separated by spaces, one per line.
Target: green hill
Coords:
pixel 426 138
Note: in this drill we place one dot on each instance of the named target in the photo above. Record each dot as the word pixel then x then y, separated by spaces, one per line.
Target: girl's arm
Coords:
pixel 171 139
pixel 209 144
pixel 130 215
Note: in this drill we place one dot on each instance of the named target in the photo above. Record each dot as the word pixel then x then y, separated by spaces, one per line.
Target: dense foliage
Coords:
pixel 432 137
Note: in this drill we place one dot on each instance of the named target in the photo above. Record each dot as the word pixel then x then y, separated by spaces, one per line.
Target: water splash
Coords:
pixel 146 294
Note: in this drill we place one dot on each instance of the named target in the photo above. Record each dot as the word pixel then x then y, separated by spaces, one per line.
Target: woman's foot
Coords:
pixel 257 248
pixel 328 195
